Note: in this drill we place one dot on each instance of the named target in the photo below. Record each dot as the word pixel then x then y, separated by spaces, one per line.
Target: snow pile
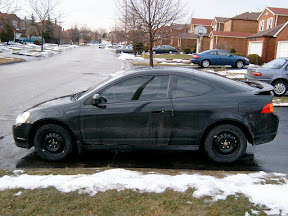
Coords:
pixel 126 56
pixel 274 196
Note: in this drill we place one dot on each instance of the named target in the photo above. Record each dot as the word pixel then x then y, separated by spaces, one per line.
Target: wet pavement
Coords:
pixel 79 69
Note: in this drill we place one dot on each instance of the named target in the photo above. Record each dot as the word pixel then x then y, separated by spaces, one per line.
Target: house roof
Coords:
pixel 279 11
pixel 252 16
pixel 221 19
pixel 179 26
pixel 231 34
pixel 272 32
pixel 199 21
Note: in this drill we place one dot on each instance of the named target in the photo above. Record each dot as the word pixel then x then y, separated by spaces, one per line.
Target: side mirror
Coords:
pixel 96 99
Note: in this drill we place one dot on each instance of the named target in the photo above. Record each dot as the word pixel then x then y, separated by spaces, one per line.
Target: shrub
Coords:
pixel 146 48
pixel 240 54
pixel 37 42
pixel 187 50
pixel 194 47
pixel 255 59
pixel 233 51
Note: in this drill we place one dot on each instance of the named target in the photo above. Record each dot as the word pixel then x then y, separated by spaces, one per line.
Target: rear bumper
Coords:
pixel 248 78
pixel 266 129
pixel 21 135
pixel 196 61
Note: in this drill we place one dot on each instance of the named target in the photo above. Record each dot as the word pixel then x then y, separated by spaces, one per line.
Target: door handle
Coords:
pixel 158 111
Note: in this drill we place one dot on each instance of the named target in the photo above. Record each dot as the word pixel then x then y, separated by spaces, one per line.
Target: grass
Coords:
pixel 127 202
pixel 280 99
pixel 10 60
pixel 170 57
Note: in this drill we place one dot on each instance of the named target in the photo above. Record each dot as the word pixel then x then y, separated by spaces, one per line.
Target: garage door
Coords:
pixel 282 49
pixel 255 48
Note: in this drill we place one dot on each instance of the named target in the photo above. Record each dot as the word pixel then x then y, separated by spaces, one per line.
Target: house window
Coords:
pixel 270 23
pixel 14 24
pixel 215 27
pixel 261 25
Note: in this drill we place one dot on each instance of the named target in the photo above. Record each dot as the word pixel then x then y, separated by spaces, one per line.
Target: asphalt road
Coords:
pixel 26 84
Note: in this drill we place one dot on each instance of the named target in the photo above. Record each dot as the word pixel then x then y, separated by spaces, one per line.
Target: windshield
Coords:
pixel 275 64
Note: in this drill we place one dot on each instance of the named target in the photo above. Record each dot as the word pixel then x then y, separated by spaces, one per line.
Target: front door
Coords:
pixel 137 111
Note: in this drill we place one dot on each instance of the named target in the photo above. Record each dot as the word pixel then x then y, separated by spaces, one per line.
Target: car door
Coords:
pixel 213 57
pixel 135 111
pixel 192 109
pixel 225 58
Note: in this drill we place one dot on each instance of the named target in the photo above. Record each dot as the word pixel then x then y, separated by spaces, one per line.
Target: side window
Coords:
pixel 223 53
pixel 186 87
pixel 138 88
pixel 213 53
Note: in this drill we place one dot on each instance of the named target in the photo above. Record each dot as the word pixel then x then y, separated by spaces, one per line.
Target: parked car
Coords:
pixel 274 72
pixel 102 46
pixel 164 49
pixel 164 109
pixel 125 49
pixel 219 57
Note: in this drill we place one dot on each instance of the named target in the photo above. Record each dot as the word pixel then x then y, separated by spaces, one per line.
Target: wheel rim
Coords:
pixel 239 64
pixel 53 142
pixel 226 143
pixel 279 88
pixel 170 52
pixel 206 63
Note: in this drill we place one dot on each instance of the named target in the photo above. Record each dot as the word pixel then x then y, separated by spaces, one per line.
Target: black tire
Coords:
pixel 205 63
pixel 225 143
pixel 53 142
pixel 280 88
pixel 239 64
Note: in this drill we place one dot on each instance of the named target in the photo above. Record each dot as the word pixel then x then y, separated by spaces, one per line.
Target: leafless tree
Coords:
pixel 85 34
pixel 32 31
pixel 9 6
pixel 152 15
pixel 43 9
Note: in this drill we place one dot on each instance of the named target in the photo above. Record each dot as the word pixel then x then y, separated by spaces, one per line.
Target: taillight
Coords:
pixel 269 108
pixel 257 74
pixel 195 56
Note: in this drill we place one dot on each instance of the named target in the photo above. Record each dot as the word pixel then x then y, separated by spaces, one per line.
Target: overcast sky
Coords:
pixel 103 13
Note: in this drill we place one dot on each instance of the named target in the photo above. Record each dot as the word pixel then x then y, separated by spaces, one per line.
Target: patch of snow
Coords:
pixel 126 56
pixel 18 193
pixel 18 172
pixel 255 212
pixel 274 196
pixel 280 104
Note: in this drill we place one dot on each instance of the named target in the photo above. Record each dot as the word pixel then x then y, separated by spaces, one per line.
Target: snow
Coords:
pixel 280 104
pixel 126 56
pixel 253 186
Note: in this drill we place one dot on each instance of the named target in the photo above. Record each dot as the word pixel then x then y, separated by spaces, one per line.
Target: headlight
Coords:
pixel 247 59
pixel 22 118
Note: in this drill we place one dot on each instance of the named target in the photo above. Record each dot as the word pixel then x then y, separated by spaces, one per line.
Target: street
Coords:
pixel 26 84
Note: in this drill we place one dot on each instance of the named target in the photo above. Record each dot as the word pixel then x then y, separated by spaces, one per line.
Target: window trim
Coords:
pixel 270 23
pixel 261 25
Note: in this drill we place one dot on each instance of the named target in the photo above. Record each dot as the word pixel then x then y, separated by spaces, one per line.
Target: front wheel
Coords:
pixel 280 88
pixel 225 143
pixel 239 64
pixel 53 142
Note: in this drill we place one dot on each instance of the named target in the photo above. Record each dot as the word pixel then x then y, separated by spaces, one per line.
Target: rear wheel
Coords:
pixel 205 63
pixel 239 64
pixel 225 143
pixel 53 142
pixel 280 87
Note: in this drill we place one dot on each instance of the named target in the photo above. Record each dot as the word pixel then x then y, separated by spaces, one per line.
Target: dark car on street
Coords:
pixel 274 72
pixel 125 49
pixel 164 49
pixel 164 109
pixel 219 57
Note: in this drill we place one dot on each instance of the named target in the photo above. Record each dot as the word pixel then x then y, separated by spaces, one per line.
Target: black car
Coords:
pixel 164 49
pixel 153 109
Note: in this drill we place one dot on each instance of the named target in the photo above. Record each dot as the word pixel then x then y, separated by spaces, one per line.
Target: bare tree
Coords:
pixel 43 9
pixel 32 31
pixel 152 15
pixel 85 34
pixel 9 6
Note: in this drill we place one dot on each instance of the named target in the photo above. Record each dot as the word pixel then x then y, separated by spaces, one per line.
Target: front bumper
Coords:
pixel 21 135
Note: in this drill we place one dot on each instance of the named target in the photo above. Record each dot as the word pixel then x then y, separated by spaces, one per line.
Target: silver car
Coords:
pixel 274 72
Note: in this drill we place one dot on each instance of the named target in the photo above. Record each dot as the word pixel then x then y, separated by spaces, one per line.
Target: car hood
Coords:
pixel 54 102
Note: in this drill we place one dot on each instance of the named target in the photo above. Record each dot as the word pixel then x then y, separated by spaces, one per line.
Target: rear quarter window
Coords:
pixel 187 87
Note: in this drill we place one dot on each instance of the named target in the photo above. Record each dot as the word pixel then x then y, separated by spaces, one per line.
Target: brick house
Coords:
pixel 15 22
pixel 207 23
pixel 270 43
pixel 236 31
pixel 271 40
pixel 218 23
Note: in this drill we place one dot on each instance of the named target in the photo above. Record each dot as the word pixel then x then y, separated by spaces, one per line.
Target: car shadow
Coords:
pixel 195 160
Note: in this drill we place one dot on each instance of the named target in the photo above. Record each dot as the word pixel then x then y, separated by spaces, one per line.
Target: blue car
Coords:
pixel 219 57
